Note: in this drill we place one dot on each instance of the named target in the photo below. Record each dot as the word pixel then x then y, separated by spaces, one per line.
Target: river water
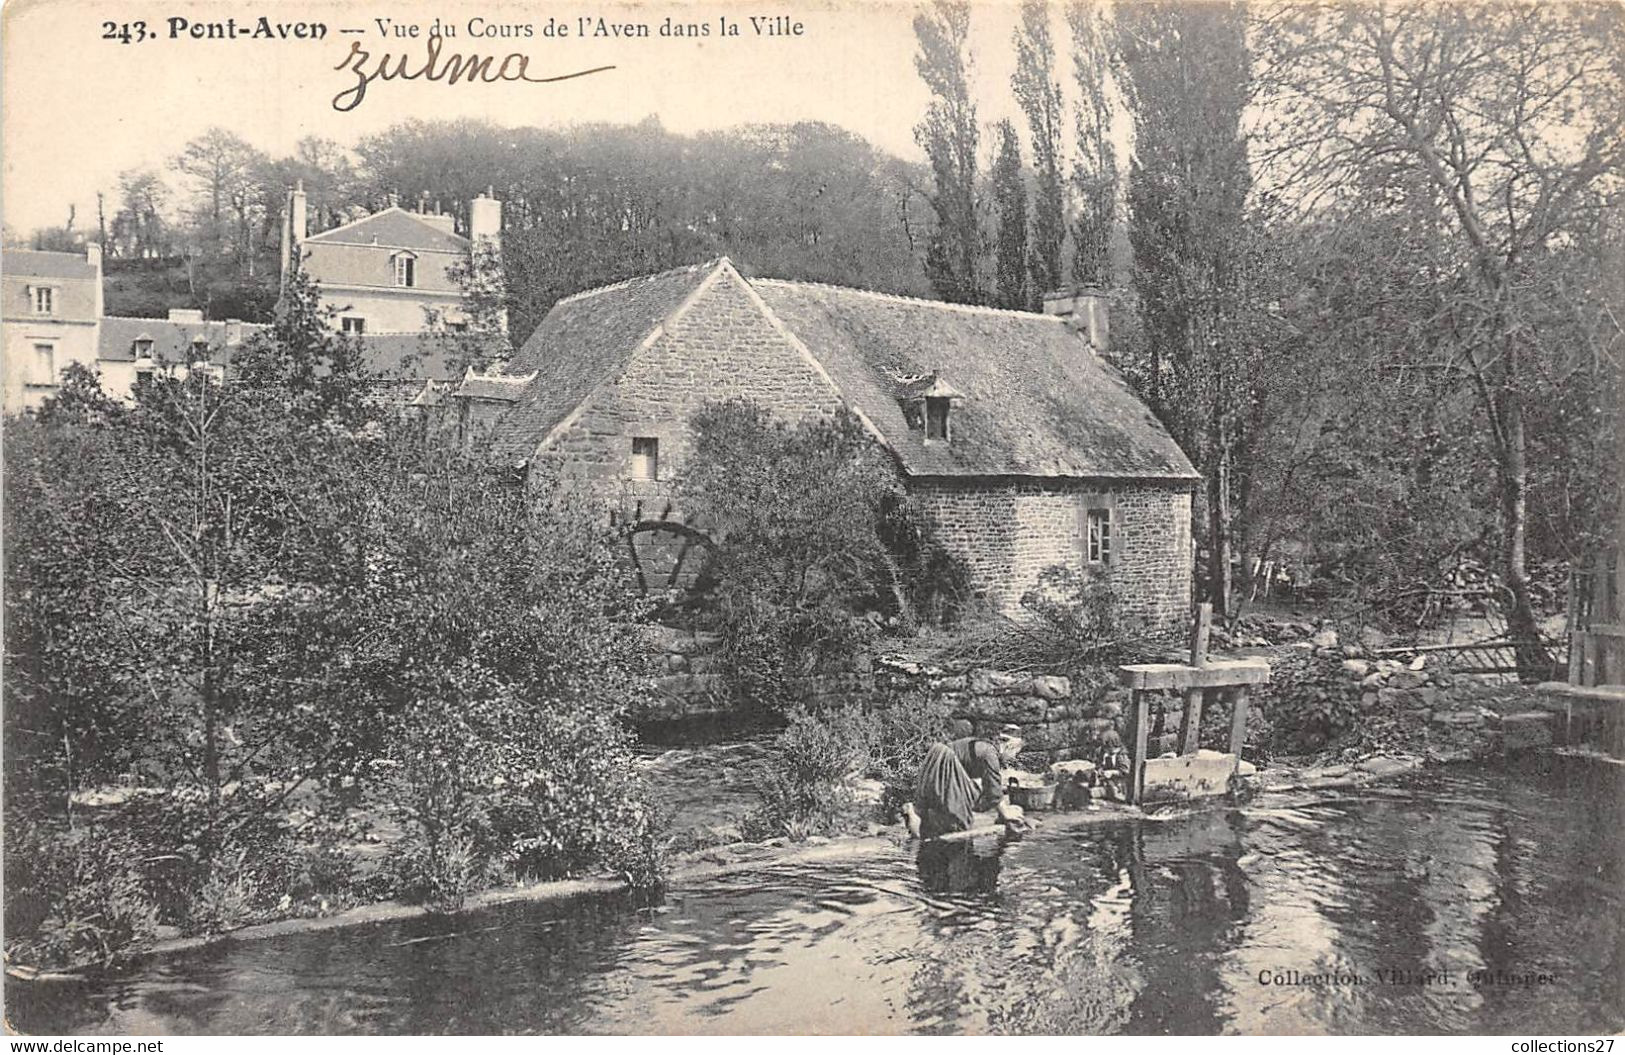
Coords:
pixel 1484 901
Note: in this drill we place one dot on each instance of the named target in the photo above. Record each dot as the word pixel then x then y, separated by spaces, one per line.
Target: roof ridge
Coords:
pixel 383 212
pixel 704 265
pixel 975 309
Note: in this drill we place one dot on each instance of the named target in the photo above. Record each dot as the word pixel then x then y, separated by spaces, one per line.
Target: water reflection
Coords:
pixel 1186 925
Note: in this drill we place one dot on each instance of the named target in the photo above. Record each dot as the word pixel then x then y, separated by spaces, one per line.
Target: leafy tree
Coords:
pixel 948 135
pixel 1501 127
pixel 1187 78
pixel 1039 94
pixel 1095 175
pixel 1010 201
pixel 139 228
pixel 223 169
pixel 801 515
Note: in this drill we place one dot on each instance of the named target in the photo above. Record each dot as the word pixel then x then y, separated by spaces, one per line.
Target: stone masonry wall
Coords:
pixel 722 347
pixel 1007 533
pixel 1060 719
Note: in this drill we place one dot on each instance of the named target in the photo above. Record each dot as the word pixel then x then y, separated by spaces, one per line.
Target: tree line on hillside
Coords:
pixel 583 207
pixel 1373 280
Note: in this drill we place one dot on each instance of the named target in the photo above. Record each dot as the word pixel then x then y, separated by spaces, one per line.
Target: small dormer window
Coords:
pixel 200 349
pixel 142 347
pixel 936 418
pixel 406 270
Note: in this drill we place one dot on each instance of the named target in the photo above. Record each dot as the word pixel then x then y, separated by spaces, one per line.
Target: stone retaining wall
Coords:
pixel 1059 720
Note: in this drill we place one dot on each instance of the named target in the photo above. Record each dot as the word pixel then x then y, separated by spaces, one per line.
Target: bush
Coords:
pixel 905 726
pixel 1084 620
pixel 815 544
pixel 437 867
pixel 495 785
pixel 74 898
pixel 1309 704
pixel 805 788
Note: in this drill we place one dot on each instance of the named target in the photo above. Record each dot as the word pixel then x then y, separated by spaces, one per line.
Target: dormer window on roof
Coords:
pixel 928 403
pixel 200 349
pixel 141 347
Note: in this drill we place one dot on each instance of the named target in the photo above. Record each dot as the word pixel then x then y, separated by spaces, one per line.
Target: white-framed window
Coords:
pixel 406 269
pixel 43 299
pixel 41 371
pixel 645 458
pixel 141 347
pixel 353 324
pixel 936 418
pixel 1098 536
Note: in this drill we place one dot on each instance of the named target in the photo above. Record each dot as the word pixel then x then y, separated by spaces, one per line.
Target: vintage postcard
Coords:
pixel 812 517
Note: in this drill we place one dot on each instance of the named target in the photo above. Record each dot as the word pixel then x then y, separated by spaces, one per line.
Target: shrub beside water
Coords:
pixel 75 897
pixel 807 787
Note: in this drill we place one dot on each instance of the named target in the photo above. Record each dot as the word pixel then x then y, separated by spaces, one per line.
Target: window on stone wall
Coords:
pixel 353 324
pixel 44 299
pixel 1099 536
pixel 645 458
pixel 406 270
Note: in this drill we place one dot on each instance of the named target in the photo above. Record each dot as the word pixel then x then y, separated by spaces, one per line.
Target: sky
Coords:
pixel 77 108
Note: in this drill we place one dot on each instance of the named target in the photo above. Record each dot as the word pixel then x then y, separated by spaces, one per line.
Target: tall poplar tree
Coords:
pixel 1010 199
pixel 1094 176
pixel 948 135
pixel 1040 97
pixel 1187 81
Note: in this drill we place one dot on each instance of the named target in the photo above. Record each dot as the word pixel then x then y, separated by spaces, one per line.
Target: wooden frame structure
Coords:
pixel 1195 679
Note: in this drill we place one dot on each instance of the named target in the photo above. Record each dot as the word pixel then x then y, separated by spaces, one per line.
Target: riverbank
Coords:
pixel 721 860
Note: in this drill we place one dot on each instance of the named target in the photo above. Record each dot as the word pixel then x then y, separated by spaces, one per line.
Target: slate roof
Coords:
pixel 415 356
pixel 1029 396
pixel 585 340
pixel 1036 400
pixel 171 341
pixel 397 228
pixel 496 387
pixel 38 263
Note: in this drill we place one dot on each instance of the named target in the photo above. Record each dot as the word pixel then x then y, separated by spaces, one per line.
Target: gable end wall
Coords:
pixel 721 347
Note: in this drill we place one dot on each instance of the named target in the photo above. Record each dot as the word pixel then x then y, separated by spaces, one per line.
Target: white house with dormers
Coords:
pixel 392 272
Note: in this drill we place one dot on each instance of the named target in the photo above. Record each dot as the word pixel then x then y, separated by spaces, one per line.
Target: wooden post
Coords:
pixel 1190 724
pixel 1238 719
pixel 1139 705
pixel 1199 632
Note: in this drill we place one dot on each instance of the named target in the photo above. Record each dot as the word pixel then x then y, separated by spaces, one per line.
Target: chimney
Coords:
pixel 295 227
pixel 185 314
pixel 1086 311
pixel 93 257
pixel 485 218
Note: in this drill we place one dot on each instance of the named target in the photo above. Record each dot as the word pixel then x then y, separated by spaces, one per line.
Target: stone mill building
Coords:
pixel 1022 446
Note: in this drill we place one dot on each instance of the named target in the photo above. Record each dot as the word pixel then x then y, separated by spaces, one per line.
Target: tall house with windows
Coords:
pixel 393 272
pixel 52 307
